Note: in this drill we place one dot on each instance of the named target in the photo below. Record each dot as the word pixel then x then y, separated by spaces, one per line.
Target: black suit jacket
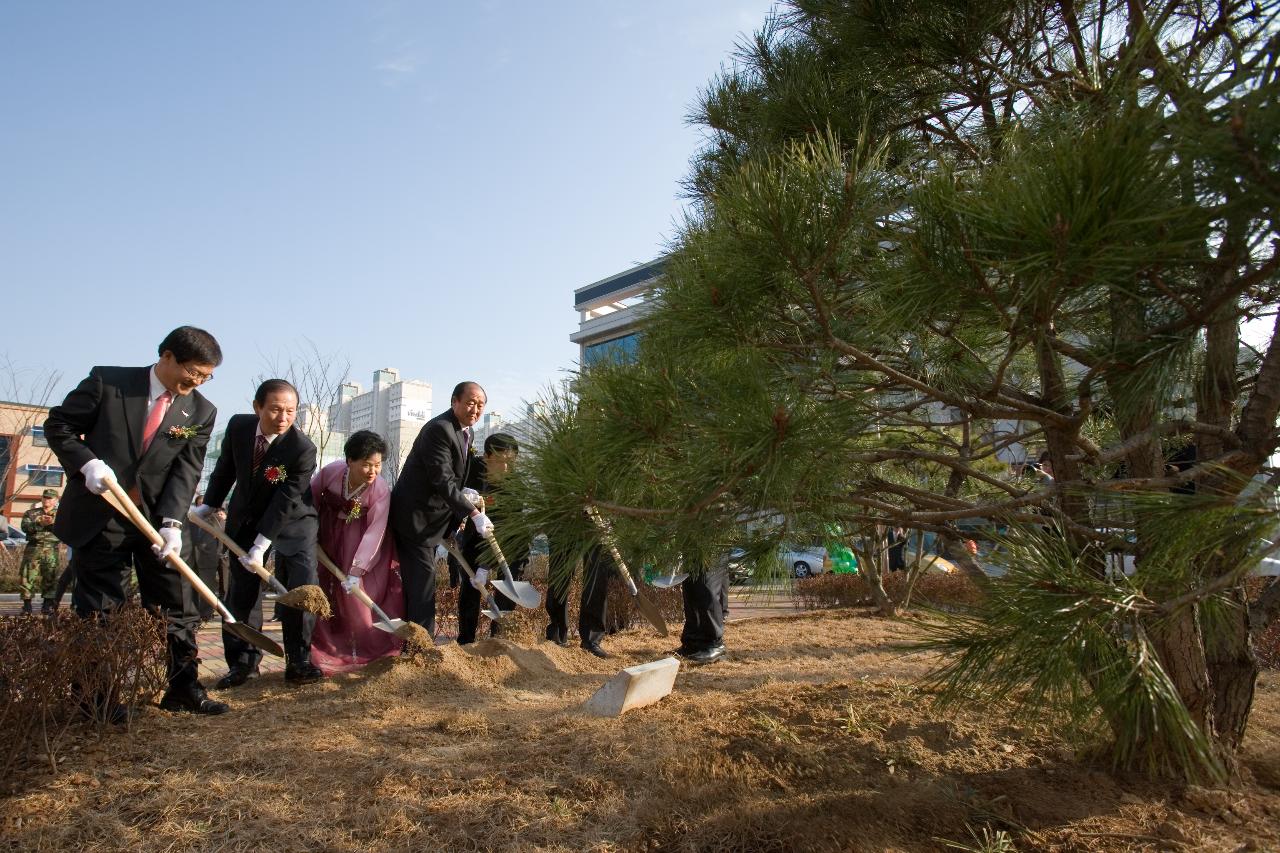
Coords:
pixel 282 512
pixel 500 508
pixel 103 419
pixel 427 500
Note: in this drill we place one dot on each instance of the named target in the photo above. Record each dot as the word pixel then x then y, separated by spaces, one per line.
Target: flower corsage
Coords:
pixel 275 474
pixel 353 510
pixel 182 432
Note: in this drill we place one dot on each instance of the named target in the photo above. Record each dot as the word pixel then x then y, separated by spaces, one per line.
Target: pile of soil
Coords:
pixel 809 736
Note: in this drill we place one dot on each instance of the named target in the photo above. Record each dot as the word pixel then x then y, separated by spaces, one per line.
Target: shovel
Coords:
pixel 402 629
pixel 305 597
pixel 670 580
pixel 124 505
pixel 495 612
pixel 524 594
pixel 646 607
pixel 521 592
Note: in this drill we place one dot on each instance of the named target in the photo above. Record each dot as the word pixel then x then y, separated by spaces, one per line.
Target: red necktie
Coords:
pixel 259 451
pixel 154 417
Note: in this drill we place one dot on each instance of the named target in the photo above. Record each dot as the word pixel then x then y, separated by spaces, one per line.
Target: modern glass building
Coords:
pixel 609 310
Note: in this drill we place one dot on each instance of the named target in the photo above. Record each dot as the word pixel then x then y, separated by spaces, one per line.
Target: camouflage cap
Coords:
pixel 49 493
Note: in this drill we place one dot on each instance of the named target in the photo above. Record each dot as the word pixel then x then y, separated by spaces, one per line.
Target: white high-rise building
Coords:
pixel 316 425
pixel 394 408
pixel 490 422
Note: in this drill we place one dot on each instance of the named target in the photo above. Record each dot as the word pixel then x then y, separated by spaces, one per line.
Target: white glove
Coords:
pixel 481 578
pixel 255 557
pixel 483 525
pixel 473 496
pixel 172 538
pixel 350 584
pixel 96 473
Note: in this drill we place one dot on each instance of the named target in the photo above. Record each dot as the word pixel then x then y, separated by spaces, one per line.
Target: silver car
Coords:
pixel 803 562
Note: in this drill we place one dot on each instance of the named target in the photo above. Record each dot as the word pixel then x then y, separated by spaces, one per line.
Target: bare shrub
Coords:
pixel 57 672
pixel 935 589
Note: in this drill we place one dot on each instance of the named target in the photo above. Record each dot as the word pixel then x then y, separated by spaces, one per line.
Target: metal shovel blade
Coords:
pixel 651 614
pixel 254 638
pixel 668 581
pixel 524 594
pixel 390 626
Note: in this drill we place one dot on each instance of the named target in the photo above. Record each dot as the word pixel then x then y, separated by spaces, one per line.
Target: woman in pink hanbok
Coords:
pixel 353 502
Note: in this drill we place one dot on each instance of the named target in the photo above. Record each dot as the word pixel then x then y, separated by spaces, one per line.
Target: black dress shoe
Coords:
pixel 302 672
pixel 594 648
pixel 704 656
pixel 192 699
pixel 236 676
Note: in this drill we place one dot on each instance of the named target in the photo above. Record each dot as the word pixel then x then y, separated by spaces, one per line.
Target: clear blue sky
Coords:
pixel 415 185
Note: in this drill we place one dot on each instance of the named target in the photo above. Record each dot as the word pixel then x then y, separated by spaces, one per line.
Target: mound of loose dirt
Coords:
pixel 310 598
pixel 809 736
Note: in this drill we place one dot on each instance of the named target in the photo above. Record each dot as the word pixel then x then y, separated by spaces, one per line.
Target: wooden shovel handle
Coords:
pixel 358 592
pixel 221 535
pixel 486 596
pixel 607 535
pixel 117 497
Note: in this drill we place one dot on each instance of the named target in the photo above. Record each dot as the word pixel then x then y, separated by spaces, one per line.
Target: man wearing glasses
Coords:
pixel 146 427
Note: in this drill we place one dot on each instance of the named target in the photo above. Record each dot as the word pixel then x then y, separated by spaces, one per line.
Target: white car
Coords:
pixel 803 562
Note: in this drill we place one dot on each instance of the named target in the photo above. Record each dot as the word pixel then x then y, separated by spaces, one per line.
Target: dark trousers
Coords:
pixel 469 606
pixel 418 576
pixel 593 607
pixel 244 602
pixel 705 597
pixel 65 580
pixel 208 574
pixel 101 571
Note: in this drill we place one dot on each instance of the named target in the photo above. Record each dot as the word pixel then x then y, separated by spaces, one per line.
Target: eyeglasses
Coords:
pixel 196 376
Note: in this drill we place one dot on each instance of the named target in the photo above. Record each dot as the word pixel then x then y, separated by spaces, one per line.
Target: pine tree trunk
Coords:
pixel 870 563
pixel 1234 672
pixel 1180 646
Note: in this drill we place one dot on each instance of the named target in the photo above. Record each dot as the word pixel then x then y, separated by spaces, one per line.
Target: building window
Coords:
pixel 37 437
pixel 44 475
pixel 621 350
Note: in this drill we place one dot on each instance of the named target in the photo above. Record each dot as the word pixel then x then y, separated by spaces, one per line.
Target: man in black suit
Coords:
pixel 270 462
pixel 147 428
pixel 427 501
pixel 485 478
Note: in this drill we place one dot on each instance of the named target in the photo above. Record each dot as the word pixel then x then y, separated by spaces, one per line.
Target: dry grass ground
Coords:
pixel 810 736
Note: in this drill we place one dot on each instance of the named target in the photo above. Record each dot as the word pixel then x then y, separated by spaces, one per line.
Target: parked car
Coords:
pixel 735 563
pixel 803 562
pixel 16 539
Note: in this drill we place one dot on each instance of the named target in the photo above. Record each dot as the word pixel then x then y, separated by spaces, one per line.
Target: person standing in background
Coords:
pixel 40 556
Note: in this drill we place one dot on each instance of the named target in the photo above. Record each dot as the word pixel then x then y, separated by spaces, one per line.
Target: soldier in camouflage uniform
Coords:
pixel 40 560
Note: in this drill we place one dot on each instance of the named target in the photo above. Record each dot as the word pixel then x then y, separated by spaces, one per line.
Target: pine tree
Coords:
pixel 914 220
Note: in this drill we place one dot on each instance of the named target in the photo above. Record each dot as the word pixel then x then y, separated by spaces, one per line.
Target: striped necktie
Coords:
pixel 259 451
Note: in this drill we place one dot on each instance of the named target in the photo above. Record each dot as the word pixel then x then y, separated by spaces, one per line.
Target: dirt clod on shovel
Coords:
pixel 310 598
pixel 416 639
